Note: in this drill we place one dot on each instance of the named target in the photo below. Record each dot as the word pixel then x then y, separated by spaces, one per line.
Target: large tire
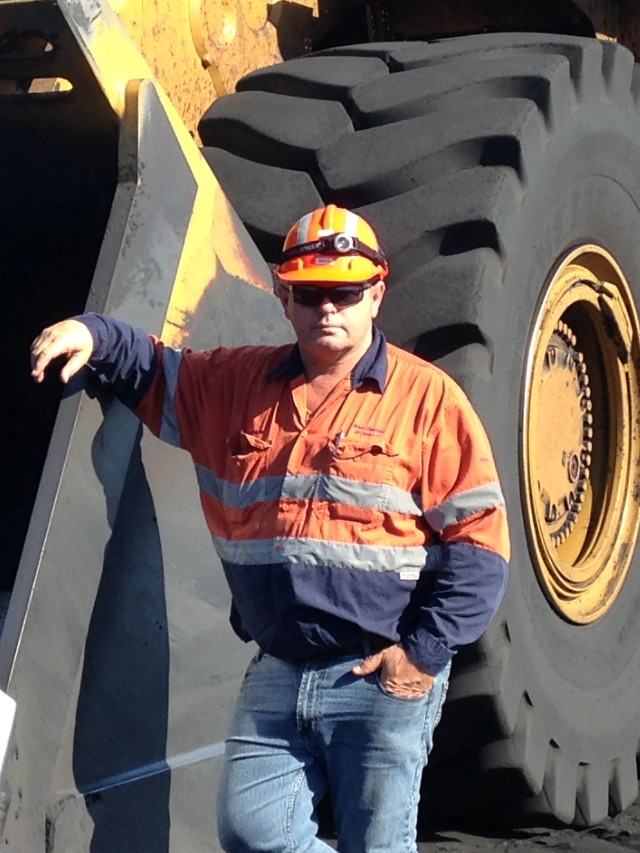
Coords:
pixel 502 174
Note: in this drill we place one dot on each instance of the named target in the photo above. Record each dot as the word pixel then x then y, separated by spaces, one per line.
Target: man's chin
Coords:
pixel 332 338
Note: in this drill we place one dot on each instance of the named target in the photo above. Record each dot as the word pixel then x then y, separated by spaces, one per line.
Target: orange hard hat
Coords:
pixel 331 245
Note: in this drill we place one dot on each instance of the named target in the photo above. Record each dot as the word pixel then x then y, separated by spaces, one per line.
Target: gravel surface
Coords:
pixel 614 835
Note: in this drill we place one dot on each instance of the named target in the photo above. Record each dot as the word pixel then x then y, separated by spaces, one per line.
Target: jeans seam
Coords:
pixel 429 724
pixel 409 829
pixel 291 803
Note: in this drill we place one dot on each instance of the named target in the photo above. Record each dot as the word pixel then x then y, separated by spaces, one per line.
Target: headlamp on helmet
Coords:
pixel 343 243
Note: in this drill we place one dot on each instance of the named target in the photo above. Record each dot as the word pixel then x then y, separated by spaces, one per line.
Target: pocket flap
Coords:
pixel 246 442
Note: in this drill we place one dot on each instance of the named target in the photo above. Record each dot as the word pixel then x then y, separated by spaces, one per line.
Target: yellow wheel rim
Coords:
pixel 581 440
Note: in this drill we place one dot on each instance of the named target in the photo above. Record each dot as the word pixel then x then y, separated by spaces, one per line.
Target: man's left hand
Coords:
pixel 399 675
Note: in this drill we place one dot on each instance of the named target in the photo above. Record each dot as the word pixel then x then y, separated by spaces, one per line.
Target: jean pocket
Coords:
pixel 406 699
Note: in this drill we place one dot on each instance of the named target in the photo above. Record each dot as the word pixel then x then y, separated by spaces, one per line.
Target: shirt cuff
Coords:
pixel 99 332
pixel 426 651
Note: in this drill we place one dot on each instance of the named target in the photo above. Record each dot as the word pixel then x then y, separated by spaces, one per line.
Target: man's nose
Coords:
pixel 327 306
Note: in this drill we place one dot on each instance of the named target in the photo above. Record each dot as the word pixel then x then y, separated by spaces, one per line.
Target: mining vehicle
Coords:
pixel 153 156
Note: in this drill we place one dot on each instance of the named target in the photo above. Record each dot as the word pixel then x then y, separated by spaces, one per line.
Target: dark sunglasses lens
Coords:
pixel 347 295
pixel 312 297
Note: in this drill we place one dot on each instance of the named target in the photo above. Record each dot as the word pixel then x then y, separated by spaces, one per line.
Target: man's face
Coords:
pixel 328 331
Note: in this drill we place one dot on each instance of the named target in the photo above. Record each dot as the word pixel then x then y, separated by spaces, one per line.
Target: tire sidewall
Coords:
pixel 583 191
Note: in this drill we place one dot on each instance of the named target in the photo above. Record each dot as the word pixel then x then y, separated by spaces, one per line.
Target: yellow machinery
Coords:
pixel 496 149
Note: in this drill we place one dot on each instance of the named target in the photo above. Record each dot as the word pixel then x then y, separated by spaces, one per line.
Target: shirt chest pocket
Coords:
pixel 358 485
pixel 247 464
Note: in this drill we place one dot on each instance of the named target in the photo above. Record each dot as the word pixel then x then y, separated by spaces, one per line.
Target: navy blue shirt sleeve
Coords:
pixel 124 357
pixel 468 590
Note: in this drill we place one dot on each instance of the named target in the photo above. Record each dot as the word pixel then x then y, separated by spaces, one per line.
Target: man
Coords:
pixel 354 503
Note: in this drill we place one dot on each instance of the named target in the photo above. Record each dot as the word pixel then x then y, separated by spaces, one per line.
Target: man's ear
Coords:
pixel 282 293
pixel 377 294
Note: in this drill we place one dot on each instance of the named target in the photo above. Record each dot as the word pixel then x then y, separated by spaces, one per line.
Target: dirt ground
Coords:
pixel 614 835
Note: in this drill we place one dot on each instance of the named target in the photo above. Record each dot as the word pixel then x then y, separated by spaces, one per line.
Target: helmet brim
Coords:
pixel 323 278
pixel 329 270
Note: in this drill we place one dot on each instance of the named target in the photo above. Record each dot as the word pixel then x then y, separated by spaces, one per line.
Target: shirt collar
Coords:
pixel 373 364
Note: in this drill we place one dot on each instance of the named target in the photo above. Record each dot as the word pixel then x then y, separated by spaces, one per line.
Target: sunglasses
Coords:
pixel 312 297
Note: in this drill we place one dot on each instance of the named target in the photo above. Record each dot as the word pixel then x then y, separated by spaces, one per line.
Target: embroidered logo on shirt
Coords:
pixel 365 429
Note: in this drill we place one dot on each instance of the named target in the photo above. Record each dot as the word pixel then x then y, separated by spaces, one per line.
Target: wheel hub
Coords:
pixel 564 474
pixel 581 443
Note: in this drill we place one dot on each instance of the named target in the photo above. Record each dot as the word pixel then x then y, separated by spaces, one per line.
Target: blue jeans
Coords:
pixel 302 729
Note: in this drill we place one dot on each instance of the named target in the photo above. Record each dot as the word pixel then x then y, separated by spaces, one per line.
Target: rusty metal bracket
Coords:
pixel 199 41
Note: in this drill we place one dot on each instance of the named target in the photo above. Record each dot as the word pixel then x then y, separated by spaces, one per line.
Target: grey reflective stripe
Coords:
pixel 239 496
pixel 322 487
pixel 303 228
pixel 169 429
pixel 320 552
pixel 464 505
pixel 351 224
pixel 325 487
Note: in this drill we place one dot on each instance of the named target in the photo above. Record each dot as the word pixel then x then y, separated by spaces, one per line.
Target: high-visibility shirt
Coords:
pixel 381 512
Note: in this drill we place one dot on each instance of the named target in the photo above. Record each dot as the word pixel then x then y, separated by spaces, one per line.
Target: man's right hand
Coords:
pixel 70 339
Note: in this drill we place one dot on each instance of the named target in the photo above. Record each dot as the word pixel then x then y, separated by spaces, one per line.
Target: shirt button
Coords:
pixel 304 432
